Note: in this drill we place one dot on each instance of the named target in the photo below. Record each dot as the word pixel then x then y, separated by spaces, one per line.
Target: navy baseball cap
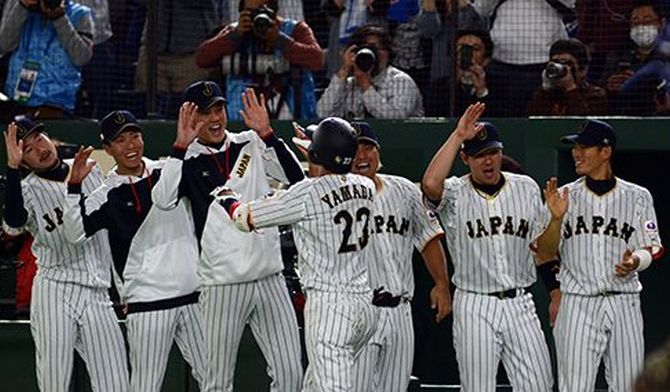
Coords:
pixel 26 125
pixel 365 133
pixel 593 133
pixel 204 94
pixel 115 123
pixel 485 139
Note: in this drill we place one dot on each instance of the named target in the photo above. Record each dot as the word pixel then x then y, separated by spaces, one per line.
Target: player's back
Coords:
pixel 333 238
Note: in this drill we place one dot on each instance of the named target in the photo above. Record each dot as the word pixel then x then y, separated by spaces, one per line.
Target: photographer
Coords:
pixel 473 55
pixel 366 85
pixel 565 90
pixel 51 40
pixel 270 53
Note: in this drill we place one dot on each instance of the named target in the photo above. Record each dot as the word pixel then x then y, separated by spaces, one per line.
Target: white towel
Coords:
pixel 355 15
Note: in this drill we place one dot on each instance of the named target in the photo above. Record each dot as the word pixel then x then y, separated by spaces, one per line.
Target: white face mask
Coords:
pixel 644 36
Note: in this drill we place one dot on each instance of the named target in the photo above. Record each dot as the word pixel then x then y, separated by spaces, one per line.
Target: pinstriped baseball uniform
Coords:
pixel 332 219
pixel 401 224
pixel 155 256
pixel 489 238
pixel 70 306
pixel 600 314
pixel 241 272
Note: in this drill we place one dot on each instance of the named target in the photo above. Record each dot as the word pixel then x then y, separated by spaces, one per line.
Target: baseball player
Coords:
pixel 241 272
pixel 155 253
pixel 401 223
pixel 610 233
pixel 491 218
pixel 70 304
pixel 332 216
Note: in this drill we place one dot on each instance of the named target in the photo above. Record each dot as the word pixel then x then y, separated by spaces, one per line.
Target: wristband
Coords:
pixel 645 259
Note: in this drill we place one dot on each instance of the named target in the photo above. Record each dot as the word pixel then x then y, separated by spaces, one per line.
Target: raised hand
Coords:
pixel 468 125
pixel 14 148
pixel 557 202
pixel 187 128
pixel 627 265
pixel 255 113
pixel 81 166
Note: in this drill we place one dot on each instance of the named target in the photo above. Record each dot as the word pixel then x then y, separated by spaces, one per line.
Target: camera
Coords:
pixel 52 4
pixel 466 57
pixel 366 58
pixel 241 63
pixel 556 71
pixel 263 18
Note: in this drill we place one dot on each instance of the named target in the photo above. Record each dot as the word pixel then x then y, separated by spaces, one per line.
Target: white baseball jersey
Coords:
pixel 488 237
pixel 332 220
pixel 44 199
pixel 70 307
pixel 600 314
pixel 597 230
pixel 332 217
pixel 400 224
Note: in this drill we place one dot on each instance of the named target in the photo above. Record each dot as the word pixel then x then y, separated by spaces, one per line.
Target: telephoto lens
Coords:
pixel 555 71
pixel 365 58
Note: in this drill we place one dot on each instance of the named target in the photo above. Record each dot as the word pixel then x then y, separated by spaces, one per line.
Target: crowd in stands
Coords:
pixel 351 58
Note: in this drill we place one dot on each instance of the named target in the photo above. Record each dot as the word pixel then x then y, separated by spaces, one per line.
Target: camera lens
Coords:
pixel 555 71
pixel 262 23
pixel 365 59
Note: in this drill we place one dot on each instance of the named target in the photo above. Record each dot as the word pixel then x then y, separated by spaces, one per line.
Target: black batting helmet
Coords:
pixel 334 145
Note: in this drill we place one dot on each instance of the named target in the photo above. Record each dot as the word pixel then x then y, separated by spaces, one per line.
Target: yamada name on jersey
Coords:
pixel 347 192
pixel 596 225
pixel 496 226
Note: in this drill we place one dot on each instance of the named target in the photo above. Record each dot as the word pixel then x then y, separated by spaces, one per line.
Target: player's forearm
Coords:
pixel 547 243
pixel 73 222
pixel 436 262
pixel 15 214
pixel 439 168
pixel 287 160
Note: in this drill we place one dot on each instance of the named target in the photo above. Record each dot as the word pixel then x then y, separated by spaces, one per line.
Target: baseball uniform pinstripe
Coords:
pixel 600 314
pixel 235 265
pixel 332 219
pixel 155 255
pixel 71 307
pixel 401 224
pixel 489 238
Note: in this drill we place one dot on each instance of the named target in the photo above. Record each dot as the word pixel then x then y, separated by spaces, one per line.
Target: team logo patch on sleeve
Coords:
pixel 650 227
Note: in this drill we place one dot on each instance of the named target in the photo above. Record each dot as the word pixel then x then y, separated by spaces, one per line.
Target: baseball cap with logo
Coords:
pixel 365 133
pixel 593 133
pixel 115 123
pixel 26 125
pixel 204 94
pixel 485 139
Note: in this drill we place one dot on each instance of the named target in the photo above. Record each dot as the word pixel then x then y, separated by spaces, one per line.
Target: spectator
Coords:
pixel 431 22
pixel 358 14
pixel 471 76
pixel 647 96
pixel 565 90
pixel 522 32
pixel 182 25
pixel 603 26
pixel 276 60
pixel 366 85
pixel 646 53
pixel 49 46
pixel 97 74
pixel 290 9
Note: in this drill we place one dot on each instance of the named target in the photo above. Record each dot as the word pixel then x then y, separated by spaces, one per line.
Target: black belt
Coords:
pixel 511 293
pixel 384 299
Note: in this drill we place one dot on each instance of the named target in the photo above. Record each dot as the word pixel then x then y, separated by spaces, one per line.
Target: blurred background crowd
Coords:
pixel 381 59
